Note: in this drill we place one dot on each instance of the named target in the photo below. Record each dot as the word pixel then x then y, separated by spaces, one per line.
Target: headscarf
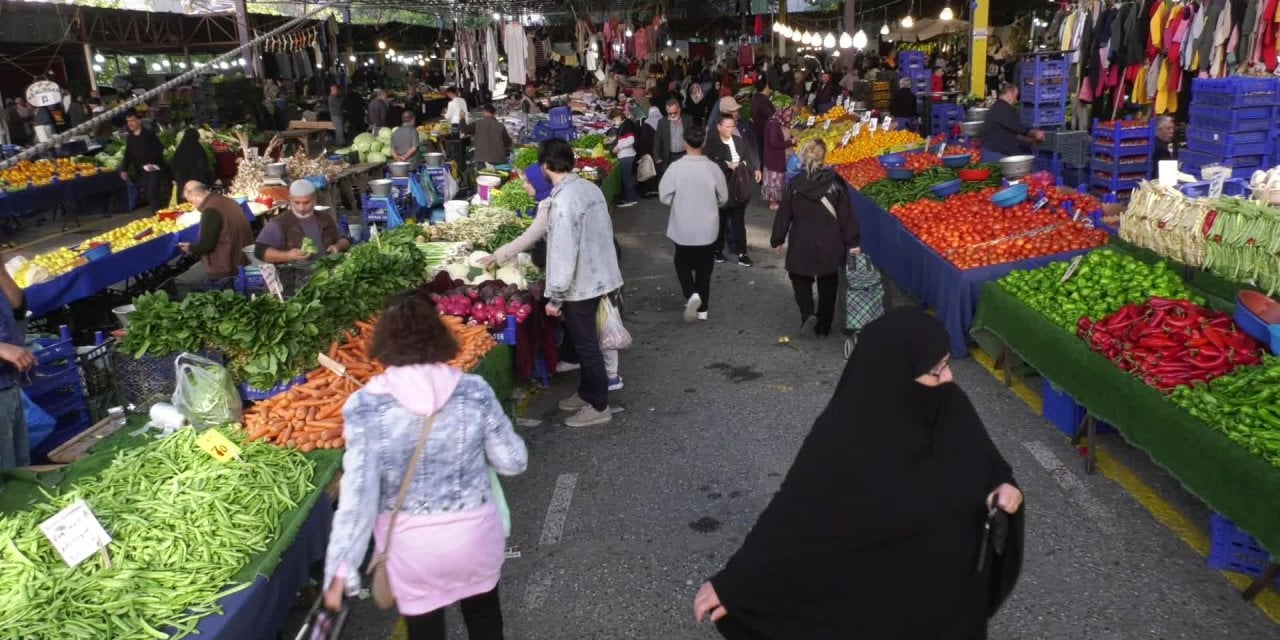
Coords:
pixel 783 116
pixel 654 118
pixel 190 161
pixel 875 531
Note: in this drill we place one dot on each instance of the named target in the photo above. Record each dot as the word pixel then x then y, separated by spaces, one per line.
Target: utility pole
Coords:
pixel 242 33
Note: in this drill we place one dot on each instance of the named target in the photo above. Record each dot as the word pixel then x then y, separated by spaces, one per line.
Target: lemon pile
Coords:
pixel 40 173
pixel 62 260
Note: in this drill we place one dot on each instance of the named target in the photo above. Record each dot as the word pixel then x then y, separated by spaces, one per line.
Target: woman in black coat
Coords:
pixel 816 222
pixel 877 530
pixel 190 162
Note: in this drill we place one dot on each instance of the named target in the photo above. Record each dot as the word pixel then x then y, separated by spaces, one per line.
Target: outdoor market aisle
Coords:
pixel 620 524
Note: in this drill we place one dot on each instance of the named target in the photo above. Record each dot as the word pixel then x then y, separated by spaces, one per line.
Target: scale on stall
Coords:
pixel 275 174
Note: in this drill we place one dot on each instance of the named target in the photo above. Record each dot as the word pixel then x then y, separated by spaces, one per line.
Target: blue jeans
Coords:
pixel 628 178
pixel 220 284
pixel 15 445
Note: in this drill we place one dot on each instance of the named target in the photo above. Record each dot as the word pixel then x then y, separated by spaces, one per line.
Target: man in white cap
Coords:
pixel 300 233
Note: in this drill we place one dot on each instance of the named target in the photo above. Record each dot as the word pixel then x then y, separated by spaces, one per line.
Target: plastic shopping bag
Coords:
pixel 205 393
pixel 40 424
pixel 613 335
pixel 500 499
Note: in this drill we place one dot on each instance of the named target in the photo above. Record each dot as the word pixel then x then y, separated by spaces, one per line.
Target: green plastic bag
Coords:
pixel 500 498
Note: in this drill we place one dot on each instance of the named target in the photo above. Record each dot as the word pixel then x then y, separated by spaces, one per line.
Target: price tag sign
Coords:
pixel 857 128
pixel 826 125
pixel 217 445
pixel 1215 185
pixel 866 117
pixel 888 120
pixel 76 533
pixel 336 367
pixel 1040 204
pixel 810 122
pixel 1072 268
pixel 848 135
pixel 272 280
pixel 942 148
pixel 875 124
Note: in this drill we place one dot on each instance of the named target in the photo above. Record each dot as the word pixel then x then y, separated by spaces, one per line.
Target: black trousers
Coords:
pixel 826 311
pixel 580 321
pixel 733 220
pixel 158 187
pixel 482 612
pixel 693 269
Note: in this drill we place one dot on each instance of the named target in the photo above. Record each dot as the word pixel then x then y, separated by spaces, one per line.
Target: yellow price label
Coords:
pixel 217 445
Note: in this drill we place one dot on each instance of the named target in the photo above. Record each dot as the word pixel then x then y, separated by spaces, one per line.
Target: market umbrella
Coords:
pixel 935 28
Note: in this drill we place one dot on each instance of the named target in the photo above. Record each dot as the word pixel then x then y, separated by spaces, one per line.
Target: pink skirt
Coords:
pixel 774 181
pixel 437 560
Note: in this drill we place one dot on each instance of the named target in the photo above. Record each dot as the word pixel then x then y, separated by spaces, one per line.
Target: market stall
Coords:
pixel 66 195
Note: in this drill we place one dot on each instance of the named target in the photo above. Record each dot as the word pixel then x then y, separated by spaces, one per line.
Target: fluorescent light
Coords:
pixel 628 33
pixel 155 66
pixel 182 65
pixel 496 16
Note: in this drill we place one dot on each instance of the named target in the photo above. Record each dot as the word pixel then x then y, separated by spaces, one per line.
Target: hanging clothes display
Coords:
pixel 491 57
pixel 515 45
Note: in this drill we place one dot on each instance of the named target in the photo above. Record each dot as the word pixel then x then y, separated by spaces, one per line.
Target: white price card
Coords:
pixel 826 125
pixel 875 124
pixel 848 135
pixel 272 280
pixel 76 533
pixel 810 122
pixel 1215 185
pixel 1071 268
pixel 1040 203
pixel 866 117
pixel 942 148
pixel 857 128
pixel 884 124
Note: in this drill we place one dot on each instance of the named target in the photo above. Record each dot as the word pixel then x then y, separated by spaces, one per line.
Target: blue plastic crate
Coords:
pixel 62 405
pixel 1201 134
pixel 1233 100
pixel 1044 93
pixel 1221 120
pixel 257 395
pixel 1231 549
pixel 43 384
pixel 1232 187
pixel 1235 85
pixel 1109 165
pixel 1199 159
pixel 1222 113
pixel 1060 409
pixel 1043 67
pixel 1115 183
pixel 1043 115
pixel 1117 132
pixel 1123 149
pixel 508 334
pixel 911 59
pixel 1228 150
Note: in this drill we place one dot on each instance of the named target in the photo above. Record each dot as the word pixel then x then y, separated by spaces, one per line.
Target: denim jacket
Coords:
pixel 581 261
pixel 471 433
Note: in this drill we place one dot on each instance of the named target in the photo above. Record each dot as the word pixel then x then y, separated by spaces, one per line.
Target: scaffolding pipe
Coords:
pixel 92 123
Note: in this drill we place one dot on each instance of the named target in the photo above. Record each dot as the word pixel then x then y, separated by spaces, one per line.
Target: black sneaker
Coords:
pixel 719 256
pixel 744 260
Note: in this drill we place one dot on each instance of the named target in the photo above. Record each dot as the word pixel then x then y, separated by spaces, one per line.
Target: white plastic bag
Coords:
pixel 205 393
pixel 613 335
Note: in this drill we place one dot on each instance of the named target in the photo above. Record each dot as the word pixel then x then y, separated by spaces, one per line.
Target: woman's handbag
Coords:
pixel 378 565
pixel 645 170
pixel 741 186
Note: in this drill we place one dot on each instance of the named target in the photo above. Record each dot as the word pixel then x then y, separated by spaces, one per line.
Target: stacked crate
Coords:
pixel 880 95
pixel 1042 80
pixel 1231 122
pixel 55 385
pixel 945 116
pixel 912 64
pixel 1121 159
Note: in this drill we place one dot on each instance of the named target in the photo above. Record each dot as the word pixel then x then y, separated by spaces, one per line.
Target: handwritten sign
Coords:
pixel 875 124
pixel 942 148
pixel 1215 185
pixel 1072 268
pixel 218 446
pixel 857 128
pixel 866 117
pixel 884 124
pixel 810 122
pixel 826 125
pixel 272 279
pixel 1040 204
pixel 76 533
pixel 848 135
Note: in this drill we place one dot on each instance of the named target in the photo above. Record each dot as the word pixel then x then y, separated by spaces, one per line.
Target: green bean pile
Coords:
pixel 182 526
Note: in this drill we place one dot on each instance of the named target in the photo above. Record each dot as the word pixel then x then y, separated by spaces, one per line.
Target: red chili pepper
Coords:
pixel 1220 322
pixel 1180 322
pixel 1208 363
pixel 1158 342
pixel 1215 336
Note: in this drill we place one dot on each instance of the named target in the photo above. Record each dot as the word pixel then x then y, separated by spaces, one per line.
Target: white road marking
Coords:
pixel 552 530
pixel 558 511
pixel 1075 489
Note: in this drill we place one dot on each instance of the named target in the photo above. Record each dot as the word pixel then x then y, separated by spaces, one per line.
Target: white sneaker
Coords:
pixel 691 307
pixel 589 417
pixel 702 315
pixel 573 403
pixel 566 367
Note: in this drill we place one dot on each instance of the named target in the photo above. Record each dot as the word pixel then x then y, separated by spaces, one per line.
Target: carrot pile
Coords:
pixel 309 415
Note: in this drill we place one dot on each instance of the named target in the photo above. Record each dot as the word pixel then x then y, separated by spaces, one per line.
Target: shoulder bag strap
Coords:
pixel 408 475
pixel 827 203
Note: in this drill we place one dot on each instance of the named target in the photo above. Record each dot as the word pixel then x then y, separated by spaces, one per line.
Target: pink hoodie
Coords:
pixel 423 388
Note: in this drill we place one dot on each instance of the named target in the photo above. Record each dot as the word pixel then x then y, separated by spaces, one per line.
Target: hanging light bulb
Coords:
pixel 907 22
pixel 946 14
pixel 860 40
pixel 785 32
pixel 829 41
pixel 155 66
pixel 97 67
pixel 382 45
pixel 628 33
pixel 884 29
pixel 720 42
pixel 182 65
pixel 669 42
pixel 133 60
pixel 391 52
pixel 777 27
pixel 796 36
pixel 97 57
pixel 351 58
pixel 496 16
pixel 845 40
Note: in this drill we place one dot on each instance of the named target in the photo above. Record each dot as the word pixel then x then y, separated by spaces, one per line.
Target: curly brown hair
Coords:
pixel 410 332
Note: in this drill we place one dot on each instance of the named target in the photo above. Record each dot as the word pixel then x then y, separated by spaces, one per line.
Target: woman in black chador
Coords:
pixel 879 530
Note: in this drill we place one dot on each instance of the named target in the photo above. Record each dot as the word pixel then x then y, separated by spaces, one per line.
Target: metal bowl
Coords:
pixel 380 188
pixel 435 160
pixel 1016 166
pixel 977 113
pixel 859 106
pixel 400 169
pixel 275 170
pixel 971 128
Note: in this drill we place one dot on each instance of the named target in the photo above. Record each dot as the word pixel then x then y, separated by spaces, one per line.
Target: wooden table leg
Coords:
pixel 1268 576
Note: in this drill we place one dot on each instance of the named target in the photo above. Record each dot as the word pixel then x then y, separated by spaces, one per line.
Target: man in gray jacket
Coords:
pixel 668 144
pixel 582 268
pixel 695 190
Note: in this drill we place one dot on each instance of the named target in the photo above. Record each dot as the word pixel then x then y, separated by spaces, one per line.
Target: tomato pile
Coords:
pixel 922 161
pixel 971 232
pixel 862 173
pixel 1169 343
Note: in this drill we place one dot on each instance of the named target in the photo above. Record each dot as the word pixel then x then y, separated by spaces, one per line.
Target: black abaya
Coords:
pixel 190 162
pixel 875 531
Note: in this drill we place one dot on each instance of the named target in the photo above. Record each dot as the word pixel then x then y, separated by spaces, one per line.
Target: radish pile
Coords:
pixel 488 304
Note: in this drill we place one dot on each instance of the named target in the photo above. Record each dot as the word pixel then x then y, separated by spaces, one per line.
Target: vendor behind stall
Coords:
pixel 1002 128
pixel 405 141
pixel 1165 149
pixel 493 143
pixel 529 103
pixel 15 446
pixel 299 233
pixel 224 233
pixel 456 113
